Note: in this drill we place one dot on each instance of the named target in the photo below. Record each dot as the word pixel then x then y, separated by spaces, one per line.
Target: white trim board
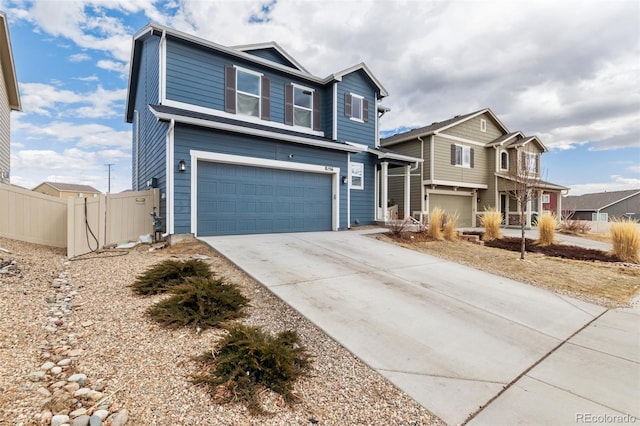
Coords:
pixel 215 157
pixel 456 184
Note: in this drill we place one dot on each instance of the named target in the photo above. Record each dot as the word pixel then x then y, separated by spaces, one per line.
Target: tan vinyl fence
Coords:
pixel 79 224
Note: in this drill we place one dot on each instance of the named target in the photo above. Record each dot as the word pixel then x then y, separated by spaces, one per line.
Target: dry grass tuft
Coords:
pixel 491 220
pixel 626 239
pixel 547 224
pixel 450 233
pixel 435 224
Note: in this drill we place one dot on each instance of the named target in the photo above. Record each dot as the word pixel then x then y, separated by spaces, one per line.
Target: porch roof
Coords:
pixel 537 183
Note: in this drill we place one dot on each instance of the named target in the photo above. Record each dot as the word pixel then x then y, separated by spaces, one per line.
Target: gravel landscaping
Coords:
pixel 75 329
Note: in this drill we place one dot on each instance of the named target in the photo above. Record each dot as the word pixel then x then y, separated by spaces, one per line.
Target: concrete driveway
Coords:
pixel 467 345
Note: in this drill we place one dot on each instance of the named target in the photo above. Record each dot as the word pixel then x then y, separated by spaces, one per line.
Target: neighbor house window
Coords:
pixel 530 162
pixel 461 156
pixel 357 176
pixel 302 106
pixel 504 160
pixel 356 107
pixel 483 125
pixel 546 199
pixel 247 93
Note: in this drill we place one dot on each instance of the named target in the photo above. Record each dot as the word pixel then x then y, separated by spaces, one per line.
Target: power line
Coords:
pixel 109 166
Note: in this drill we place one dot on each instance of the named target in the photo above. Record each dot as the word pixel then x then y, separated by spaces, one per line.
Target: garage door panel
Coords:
pixel 452 204
pixel 237 199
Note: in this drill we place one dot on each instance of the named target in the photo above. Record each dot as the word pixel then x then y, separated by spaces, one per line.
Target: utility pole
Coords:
pixel 109 166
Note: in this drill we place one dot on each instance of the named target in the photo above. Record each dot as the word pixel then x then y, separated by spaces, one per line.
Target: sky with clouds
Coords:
pixel 566 71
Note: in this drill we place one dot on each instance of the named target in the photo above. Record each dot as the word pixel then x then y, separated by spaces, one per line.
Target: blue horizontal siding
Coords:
pixel 270 54
pixel 195 75
pixel 363 200
pixel 152 134
pixel 350 130
pixel 187 138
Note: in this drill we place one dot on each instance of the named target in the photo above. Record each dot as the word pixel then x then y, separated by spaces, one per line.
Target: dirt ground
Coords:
pixel 604 283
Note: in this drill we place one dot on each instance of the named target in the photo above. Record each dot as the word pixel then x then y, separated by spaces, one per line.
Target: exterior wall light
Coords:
pixel 182 166
pixel 344 180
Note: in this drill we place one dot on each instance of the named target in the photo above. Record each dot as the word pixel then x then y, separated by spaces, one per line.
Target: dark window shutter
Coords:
pixel 537 164
pixel 230 89
pixel 523 162
pixel 316 111
pixel 265 100
pixel 471 158
pixel 365 110
pixel 453 155
pixel 288 104
pixel 347 105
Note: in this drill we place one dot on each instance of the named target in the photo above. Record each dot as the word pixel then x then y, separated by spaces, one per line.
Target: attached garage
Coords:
pixel 249 199
pixel 452 204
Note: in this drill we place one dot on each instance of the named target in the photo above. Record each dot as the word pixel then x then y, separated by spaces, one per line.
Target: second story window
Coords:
pixel 530 162
pixel 356 107
pixel 504 160
pixel 461 156
pixel 302 106
pixel 248 93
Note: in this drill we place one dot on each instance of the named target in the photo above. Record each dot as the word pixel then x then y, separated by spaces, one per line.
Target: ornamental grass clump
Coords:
pixel 169 273
pixel 491 221
pixel 200 303
pixel 434 230
pixel 248 360
pixel 449 231
pixel 625 235
pixel 547 224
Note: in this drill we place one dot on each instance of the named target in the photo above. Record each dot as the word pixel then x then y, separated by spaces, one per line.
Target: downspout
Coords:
pixel 169 207
pixel 162 95
pixel 421 178
pixel 348 174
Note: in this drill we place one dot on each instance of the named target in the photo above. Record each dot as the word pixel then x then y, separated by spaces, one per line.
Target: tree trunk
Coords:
pixel 523 206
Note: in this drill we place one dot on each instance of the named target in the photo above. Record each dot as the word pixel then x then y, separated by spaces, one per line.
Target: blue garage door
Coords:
pixel 234 199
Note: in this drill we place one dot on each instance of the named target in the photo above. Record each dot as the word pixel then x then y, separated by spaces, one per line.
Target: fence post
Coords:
pixel 71 249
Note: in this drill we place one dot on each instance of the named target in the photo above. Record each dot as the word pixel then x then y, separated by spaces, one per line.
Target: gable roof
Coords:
pixel 502 140
pixel 72 187
pixel 275 47
pixel 161 30
pixel 8 66
pixel 596 201
pixel 526 140
pixel 437 127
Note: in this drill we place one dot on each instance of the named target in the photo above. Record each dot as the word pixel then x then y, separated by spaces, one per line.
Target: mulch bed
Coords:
pixel 556 250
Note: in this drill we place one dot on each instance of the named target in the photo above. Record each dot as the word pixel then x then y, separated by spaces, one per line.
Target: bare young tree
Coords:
pixel 523 188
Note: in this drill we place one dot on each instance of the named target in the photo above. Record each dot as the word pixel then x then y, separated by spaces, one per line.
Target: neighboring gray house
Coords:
pixel 9 97
pixel 244 140
pixel 471 162
pixel 603 206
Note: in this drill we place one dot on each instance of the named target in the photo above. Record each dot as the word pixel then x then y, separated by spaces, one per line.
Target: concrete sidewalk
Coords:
pixel 452 337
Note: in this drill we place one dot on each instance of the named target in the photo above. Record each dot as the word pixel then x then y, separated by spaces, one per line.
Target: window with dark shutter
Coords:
pixel 288 104
pixel 230 89
pixel 266 98
pixel 471 158
pixel 316 111
pixel 365 110
pixel 347 104
pixel 453 154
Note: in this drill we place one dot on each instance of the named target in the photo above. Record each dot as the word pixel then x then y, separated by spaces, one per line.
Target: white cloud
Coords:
pixel 69 159
pixel 120 67
pixel 47 100
pixel 90 135
pixel 79 57
pixel 114 154
pixel 88 78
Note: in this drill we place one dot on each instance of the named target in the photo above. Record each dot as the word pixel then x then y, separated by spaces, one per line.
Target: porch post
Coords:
pixel 377 194
pixel 384 190
pixel 407 191
pixel 559 205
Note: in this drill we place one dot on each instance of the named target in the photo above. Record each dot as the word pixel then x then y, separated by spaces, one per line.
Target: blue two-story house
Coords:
pixel 244 140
